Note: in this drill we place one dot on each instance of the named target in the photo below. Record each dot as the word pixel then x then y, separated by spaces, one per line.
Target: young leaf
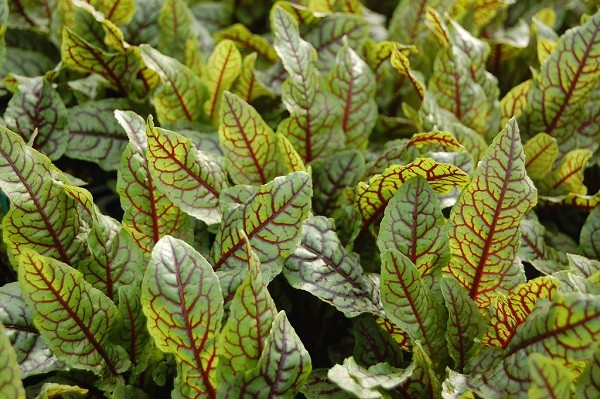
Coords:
pixel 175 26
pixel 402 64
pixel 352 81
pixel 149 214
pixel 313 127
pixel 74 318
pixel 292 162
pixel 413 224
pixel 514 103
pixel 272 221
pixel 222 68
pixel 435 138
pixel 181 93
pixel 133 335
pixel 239 34
pixel 36 106
pixel 43 217
pixel 192 179
pixel 409 303
pixel 10 375
pixel 466 325
pixel 248 86
pixel 540 153
pixel 549 378
pixel 247 142
pixel 33 354
pixel 568 177
pixel 182 300
pixel 589 238
pixel 251 315
pixel 484 231
pixel 323 267
pixel 372 198
pixel 283 366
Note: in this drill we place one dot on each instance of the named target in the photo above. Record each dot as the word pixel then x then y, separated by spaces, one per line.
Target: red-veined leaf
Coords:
pixel 240 35
pixel 222 68
pixel 11 385
pixel 540 153
pixel 549 378
pixel 589 238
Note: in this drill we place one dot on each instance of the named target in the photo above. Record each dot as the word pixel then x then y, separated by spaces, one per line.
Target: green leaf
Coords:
pixel 374 344
pixel 182 300
pixel 514 103
pixel 352 81
pixel 94 133
pixel 251 314
pixel 588 383
pixel 318 386
pixel 37 107
pixel 272 221
pixel 466 325
pixel 368 383
pixel 192 179
pixel 283 366
pixel 549 378
pixel 589 238
pixel 328 36
pixel 248 86
pixel 53 390
pixel 10 375
pixel 540 153
pixel 565 82
pixel 149 213
pixel 133 336
pixel 314 127
pixel 373 197
pixel 43 217
pixel 222 69
pixel 119 12
pixel 175 27
pixel 533 244
pixel 484 230
pixel 292 161
pixel 401 63
pixel 143 27
pixel 322 266
pixel 74 318
pixel 181 94
pixel 413 224
pixel 247 142
pixel 26 62
pixel 568 176
pixel 118 68
pixel 409 303
pixel 33 354
pixel 240 35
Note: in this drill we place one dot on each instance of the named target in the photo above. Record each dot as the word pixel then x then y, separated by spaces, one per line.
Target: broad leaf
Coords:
pixel 74 318
pixel 192 179
pixel 222 68
pixel 248 86
pixel 568 176
pixel 375 344
pixel 43 217
pixel 323 267
pixel 407 24
pixel 318 386
pixel 10 375
pixel 588 383
pixel 402 64
pixel 133 335
pixel 175 27
pixel 272 221
pixel 549 378
pixel 240 35
pixel 540 153
pixel 413 224
pixel 589 239
pixel 247 142
pixel 313 127
pixel 182 300
pixel 514 103
pixel 37 107
pixel 484 230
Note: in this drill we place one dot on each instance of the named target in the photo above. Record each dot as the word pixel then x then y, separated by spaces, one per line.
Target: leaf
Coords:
pixel 588 383
pixel 251 314
pixel 549 378
pixel 272 221
pixel 435 138
pixel 506 313
pixel 175 27
pixel 540 153
pixel 74 318
pixel 143 27
pixel 222 68
pixel 181 93
pixel 119 12
pixel 313 128
pixel 248 86
pixel 133 335
pixel 318 386
pixel 118 68
pixel 94 133
pixel 192 179
pixel 401 63
pixel 247 142
pixel 484 229
pixel 141 200
pixel 240 35
pixel 283 366
pixel 533 244
pixel 374 344
pixel 589 238
pixel 409 303
pixel 566 79
pixel 373 197
pixel 182 300
pixel 33 354
pixel 26 62
pixel 42 217
pixel 413 224
pixel 367 383
pixel 10 375
pixel 36 106
pixel 351 80
pixel 568 177
pixel 327 37
pixel 407 24
pixel 332 176
pixel 323 267
pixel 514 103
pixel 292 162
pixel 466 325
pixel 53 390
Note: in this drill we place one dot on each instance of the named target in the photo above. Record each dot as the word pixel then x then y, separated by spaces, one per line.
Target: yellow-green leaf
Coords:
pixel 11 386
pixel 222 69
pixel 515 101
pixel 540 153
pixel 568 177
pixel 240 35
pixel 549 378
pixel 402 64
pixel 175 26
pixel 247 85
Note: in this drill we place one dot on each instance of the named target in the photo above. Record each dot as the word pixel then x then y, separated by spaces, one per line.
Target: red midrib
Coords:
pixel 213 104
pixel 537 155
pixel 187 113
